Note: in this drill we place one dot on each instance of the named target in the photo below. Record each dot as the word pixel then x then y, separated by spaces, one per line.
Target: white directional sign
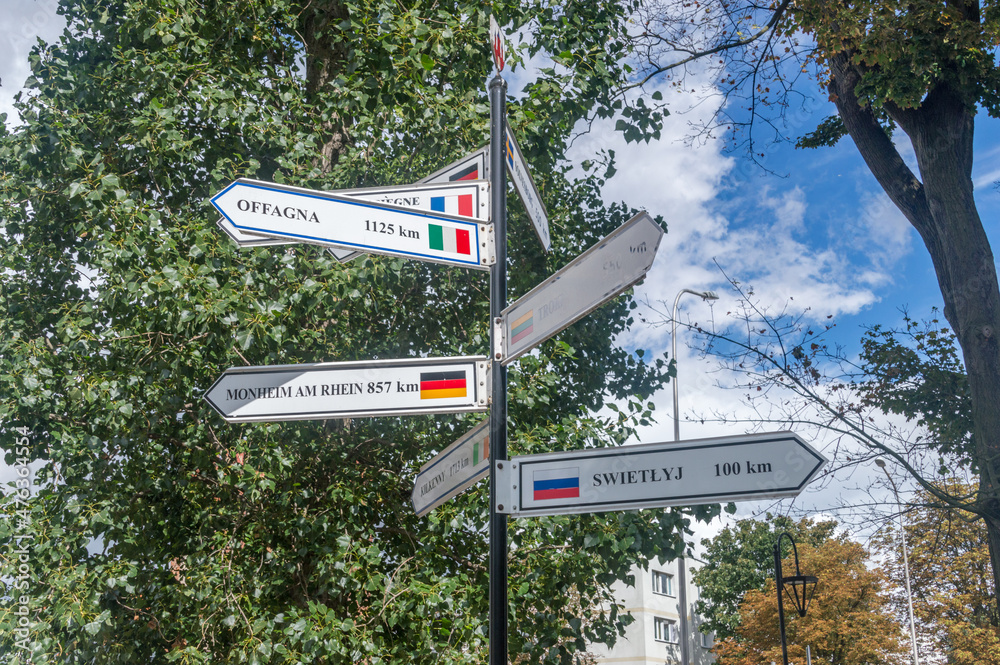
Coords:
pixel 452 471
pixel 351 389
pixel 517 168
pixel 599 274
pixel 246 240
pixel 469 197
pixel 684 473
pixel 439 235
pixel 470 167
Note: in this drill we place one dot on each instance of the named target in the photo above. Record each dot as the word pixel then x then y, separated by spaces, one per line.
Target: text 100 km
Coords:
pixel 735 468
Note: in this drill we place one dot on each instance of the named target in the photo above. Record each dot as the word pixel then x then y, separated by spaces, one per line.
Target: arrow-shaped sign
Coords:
pixel 470 198
pixel 470 167
pixel 452 471
pixel 351 389
pixel 599 274
pixel 476 165
pixel 517 169
pixel 330 218
pixel 685 473
pixel 246 240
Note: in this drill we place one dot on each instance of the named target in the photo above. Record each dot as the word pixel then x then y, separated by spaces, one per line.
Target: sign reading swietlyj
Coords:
pixel 452 471
pixel 599 274
pixel 325 218
pixel 676 473
pixel 351 389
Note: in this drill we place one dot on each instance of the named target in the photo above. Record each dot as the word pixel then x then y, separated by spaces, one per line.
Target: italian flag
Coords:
pixel 459 204
pixel 448 239
pixel 439 385
pixel 481 451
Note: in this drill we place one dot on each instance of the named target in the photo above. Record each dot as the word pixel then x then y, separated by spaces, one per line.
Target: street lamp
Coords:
pixel 704 295
pixel 802 588
pixel 880 463
pixel 682 596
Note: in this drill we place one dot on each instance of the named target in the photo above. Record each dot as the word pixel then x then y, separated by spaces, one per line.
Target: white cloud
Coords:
pixel 24 22
pixel 987 179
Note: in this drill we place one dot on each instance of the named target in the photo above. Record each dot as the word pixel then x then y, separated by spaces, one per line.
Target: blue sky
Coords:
pixel 822 237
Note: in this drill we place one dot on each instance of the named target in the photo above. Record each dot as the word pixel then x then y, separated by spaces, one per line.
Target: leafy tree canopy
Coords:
pixel 949 569
pixel 916 372
pixel 847 622
pixel 161 533
pixel 740 559
pixel 923 67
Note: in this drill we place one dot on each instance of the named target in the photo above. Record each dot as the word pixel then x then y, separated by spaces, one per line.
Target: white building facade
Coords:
pixel 666 630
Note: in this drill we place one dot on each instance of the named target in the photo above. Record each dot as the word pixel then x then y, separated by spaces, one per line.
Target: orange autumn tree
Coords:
pixel 848 622
pixel 949 558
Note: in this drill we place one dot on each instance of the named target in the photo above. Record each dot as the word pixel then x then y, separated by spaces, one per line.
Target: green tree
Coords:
pixel 915 371
pixel 847 622
pixel 923 67
pixel 949 569
pixel 741 559
pixel 159 533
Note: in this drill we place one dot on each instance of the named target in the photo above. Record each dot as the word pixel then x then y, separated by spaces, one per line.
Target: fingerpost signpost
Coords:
pixel 458 216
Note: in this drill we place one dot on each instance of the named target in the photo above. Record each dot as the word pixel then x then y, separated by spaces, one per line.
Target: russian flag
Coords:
pixel 556 484
pixel 458 204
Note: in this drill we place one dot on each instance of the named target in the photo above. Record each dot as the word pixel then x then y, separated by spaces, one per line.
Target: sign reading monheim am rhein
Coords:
pixel 351 389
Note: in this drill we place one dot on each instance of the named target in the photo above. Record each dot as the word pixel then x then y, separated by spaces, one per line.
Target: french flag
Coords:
pixel 459 204
pixel 556 484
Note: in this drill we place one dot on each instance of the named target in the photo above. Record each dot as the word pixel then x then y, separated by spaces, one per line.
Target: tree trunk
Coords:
pixel 326 48
pixel 941 206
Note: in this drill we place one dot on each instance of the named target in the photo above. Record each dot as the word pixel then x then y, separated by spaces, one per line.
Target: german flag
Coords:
pixel 438 385
pixel 468 173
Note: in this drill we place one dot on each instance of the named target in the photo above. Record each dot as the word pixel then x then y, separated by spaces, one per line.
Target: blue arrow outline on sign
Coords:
pixel 474 262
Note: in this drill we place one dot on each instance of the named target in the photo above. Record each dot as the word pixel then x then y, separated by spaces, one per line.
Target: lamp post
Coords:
pixel 681 579
pixel 704 295
pixel 800 587
pixel 880 463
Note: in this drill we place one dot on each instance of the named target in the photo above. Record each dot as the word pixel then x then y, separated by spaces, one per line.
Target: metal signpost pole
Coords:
pixel 498 408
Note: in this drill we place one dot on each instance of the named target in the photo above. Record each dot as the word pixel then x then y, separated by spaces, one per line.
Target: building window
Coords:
pixel 707 640
pixel 663 583
pixel 664 630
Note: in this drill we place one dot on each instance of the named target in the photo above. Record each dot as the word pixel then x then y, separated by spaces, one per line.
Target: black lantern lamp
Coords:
pixel 800 587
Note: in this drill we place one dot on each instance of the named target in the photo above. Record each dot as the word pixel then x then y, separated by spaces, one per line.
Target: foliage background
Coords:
pixel 162 534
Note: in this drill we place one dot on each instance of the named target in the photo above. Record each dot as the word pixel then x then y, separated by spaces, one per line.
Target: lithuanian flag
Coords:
pixel 438 385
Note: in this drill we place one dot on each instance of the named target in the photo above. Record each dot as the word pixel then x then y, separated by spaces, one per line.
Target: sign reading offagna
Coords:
pixel 443 231
pixel 351 389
